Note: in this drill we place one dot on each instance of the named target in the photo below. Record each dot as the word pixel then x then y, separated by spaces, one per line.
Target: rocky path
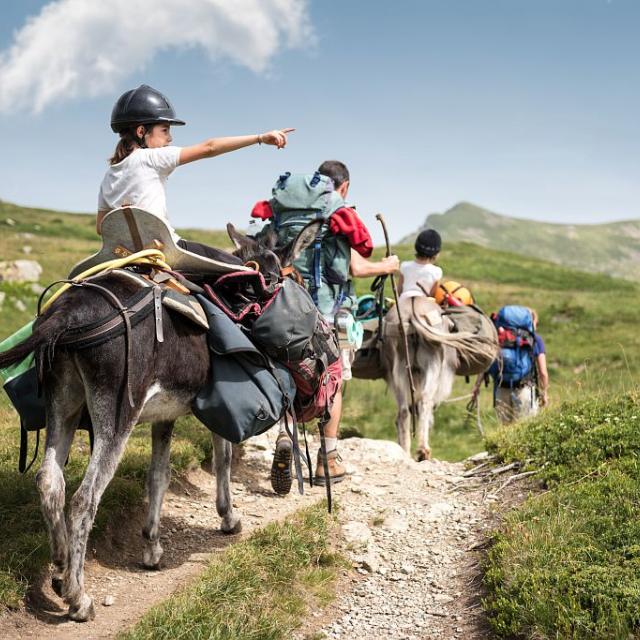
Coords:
pixel 412 531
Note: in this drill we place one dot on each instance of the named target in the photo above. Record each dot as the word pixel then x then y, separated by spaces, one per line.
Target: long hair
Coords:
pixel 127 144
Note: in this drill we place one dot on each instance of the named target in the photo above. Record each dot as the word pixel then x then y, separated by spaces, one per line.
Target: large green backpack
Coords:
pixel 324 266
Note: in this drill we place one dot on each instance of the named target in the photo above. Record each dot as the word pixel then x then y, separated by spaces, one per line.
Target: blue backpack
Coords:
pixel 516 336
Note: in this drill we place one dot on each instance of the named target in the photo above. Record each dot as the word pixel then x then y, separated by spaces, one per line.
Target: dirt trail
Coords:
pixel 412 531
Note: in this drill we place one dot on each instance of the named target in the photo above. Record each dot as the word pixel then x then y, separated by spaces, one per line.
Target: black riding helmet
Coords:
pixel 428 243
pixel 144 105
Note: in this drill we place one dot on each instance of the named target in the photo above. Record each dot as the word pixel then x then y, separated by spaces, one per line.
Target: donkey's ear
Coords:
pixel 304 239
pixel 239 240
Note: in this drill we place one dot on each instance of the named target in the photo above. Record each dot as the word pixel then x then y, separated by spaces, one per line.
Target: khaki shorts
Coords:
pixel 517 403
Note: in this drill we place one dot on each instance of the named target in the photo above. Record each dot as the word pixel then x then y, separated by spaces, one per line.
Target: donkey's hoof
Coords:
pixel 57 584
pixel 152 556
pixel 232 526
pixel 423 454
pixel 83 612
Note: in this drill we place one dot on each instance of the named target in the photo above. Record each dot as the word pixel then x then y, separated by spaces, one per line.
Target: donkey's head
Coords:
pixel 265 256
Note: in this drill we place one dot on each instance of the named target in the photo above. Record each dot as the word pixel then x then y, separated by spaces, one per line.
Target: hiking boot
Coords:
pixel 281 467
pixel 337 472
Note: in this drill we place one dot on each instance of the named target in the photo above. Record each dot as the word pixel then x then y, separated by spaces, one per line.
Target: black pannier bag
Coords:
pixel 247 392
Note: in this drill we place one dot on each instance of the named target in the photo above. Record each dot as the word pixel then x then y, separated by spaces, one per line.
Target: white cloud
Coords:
pixel 77 48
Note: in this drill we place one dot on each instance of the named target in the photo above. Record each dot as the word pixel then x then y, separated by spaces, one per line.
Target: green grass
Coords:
pixel 258 588
pixel 567 563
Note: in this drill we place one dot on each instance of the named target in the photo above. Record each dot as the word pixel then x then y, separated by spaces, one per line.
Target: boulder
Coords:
pixel 20 271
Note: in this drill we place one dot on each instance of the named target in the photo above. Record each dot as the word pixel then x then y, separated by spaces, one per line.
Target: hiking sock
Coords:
pixel 331 444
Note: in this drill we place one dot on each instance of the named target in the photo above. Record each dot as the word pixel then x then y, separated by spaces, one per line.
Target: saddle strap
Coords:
pixel 125 313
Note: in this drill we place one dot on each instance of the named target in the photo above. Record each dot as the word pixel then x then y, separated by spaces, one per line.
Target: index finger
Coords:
pixel 287 130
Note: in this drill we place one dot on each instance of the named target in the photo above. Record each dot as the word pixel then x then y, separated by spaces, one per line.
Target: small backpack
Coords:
pixel 516 336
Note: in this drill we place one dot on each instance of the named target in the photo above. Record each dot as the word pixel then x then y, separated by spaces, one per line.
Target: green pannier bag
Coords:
pixel 20 382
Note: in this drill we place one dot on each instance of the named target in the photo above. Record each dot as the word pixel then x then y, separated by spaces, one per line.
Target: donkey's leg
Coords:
pixel 424 423
pixel 397 380
pixel 157 482
pixel 426 405
pixel 61 427
pixel 403 416
pixel 108 449
pixel 222 463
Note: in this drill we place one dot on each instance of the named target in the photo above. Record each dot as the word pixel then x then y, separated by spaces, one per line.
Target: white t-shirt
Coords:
pixel 139 181
pixel 413 272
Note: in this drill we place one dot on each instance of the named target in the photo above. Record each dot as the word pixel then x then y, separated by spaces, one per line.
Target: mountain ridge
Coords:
pixel 612 248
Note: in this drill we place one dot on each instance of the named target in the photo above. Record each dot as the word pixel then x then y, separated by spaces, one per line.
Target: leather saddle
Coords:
pixel 129 229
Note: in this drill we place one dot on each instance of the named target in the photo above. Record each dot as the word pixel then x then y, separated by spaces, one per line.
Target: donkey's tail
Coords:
pixel 44 336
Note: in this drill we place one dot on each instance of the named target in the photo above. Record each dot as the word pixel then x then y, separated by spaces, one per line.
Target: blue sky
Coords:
pixel 528 108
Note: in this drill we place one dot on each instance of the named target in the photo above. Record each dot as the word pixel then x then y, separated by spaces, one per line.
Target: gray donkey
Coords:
pixel 439 349
pixel 164 379
pixel 433 367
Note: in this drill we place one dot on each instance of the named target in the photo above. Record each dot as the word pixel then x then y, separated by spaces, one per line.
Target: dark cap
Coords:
pixel 428 243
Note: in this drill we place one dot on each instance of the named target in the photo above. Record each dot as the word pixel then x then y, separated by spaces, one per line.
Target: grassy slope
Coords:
pixel 566 563
pixel 587 329
pixel 608 248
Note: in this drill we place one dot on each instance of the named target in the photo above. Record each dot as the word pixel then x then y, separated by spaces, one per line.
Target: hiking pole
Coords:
pixel 403 333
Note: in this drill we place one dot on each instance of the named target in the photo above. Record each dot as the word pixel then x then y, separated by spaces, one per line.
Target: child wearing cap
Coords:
pixel 421 276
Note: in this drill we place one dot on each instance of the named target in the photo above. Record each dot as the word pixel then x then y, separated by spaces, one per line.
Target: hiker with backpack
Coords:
pixel 520 376
pixel 144 158
pixel 339 253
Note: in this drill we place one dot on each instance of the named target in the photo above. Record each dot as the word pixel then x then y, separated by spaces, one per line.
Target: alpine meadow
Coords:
pixel 562 564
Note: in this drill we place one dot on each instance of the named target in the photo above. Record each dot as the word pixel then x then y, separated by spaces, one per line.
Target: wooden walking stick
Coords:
pixel 403 333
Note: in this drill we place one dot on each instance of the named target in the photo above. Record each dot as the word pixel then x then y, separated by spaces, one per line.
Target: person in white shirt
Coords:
pixel 144 157
pixel 421 276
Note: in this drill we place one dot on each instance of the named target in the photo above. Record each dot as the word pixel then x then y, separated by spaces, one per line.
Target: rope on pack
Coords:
pixel 153 257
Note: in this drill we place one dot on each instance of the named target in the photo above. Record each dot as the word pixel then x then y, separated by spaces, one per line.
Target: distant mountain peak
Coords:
pixel 611 248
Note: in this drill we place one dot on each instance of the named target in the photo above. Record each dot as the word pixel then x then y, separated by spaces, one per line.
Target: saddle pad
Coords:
pixel 188 306
pixel 131 229
pixel 181 303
